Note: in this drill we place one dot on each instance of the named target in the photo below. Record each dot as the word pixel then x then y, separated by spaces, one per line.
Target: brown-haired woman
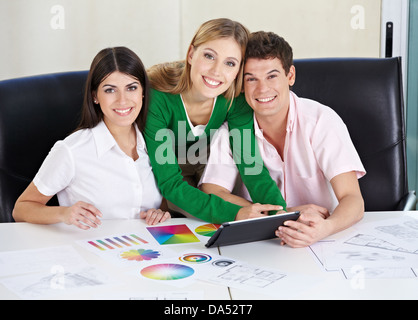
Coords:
pixel 101 171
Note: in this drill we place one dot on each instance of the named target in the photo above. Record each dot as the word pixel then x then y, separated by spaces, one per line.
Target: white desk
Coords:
pixel 331 284
pixel 19 236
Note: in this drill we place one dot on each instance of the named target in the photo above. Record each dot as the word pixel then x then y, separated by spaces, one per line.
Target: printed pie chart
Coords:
pixel 195 258
pixel 207 230
pixel 167 271
pixel 140 254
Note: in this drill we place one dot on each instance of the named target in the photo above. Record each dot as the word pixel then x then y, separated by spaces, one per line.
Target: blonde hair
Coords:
pixel 174 77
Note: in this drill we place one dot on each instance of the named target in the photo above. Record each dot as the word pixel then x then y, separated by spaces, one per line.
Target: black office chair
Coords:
pixel 367 94
pixel 35 112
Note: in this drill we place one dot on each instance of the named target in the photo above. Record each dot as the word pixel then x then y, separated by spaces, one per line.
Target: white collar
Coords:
pixel 105 141
pixel 291 117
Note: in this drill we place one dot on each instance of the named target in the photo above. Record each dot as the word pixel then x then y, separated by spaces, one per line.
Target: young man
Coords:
pixel 305 146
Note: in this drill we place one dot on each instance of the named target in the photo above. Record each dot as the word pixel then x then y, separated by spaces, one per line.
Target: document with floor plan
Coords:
pixel 389 243
pixel 402 231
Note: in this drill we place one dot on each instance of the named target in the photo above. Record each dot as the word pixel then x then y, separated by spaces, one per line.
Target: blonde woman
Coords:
pixel 189 101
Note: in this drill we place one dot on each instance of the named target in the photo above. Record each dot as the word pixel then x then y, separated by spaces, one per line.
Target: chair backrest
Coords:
pixel 35 112
pixel 367 94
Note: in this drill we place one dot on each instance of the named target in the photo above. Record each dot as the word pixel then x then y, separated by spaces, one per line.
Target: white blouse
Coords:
pixel 200 128
pixel 89 166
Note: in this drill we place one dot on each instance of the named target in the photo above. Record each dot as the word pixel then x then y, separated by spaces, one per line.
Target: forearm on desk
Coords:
pixel 350 208
pixel 349 211
pixel 33 212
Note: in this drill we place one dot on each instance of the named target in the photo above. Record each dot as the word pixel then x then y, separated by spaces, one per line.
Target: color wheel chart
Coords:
pixel 167 271
pixel 174 234
pixel 195 257
pixel 117 242
pixel 207 230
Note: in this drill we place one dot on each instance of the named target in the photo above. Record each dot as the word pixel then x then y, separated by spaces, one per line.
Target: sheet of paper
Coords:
pixel 319 250
pixel 125 250
pixel 115 241
pixel 382 244
pixel 55 283
pixel 401 232
pixel 39 260
pixel 185 267
pixel 370 251
pixel 229 272
pixel 345 255
pixel 378 273
pixel 268 281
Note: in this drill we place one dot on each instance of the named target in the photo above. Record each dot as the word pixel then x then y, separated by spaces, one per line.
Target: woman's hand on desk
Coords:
pixel 154 216
pixel 83 215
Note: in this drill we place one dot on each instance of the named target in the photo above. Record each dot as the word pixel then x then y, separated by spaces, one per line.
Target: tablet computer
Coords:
pixel 249 230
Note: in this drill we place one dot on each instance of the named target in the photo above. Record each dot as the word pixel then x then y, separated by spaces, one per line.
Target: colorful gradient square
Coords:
pixel 174 234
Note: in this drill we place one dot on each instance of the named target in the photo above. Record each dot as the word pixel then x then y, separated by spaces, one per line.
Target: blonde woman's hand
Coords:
pixel 255 211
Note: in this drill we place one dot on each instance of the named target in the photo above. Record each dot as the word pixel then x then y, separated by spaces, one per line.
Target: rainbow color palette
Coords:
pixel 207 230
pixel 140 254
pixel 111 243
pixel 167 271
pixel 174 234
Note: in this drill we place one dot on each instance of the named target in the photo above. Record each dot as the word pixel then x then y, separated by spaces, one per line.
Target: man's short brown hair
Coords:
pixel 268 45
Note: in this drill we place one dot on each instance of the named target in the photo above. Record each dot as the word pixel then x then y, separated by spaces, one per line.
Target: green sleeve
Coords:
pixel 256 177
pixel 159 141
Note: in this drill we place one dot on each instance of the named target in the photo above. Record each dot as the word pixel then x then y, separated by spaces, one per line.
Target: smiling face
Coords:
pixel 266 86
pixel 120 99
pixel 214 67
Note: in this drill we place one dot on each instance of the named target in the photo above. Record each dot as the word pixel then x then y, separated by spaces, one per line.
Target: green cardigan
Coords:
pixel 168 137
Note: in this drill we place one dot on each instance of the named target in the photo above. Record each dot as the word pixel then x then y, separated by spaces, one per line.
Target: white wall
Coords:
pixel 314 28
pixel 31 45
pixel 44 36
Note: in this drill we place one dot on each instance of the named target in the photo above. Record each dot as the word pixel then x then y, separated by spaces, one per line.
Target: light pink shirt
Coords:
pixel 318 147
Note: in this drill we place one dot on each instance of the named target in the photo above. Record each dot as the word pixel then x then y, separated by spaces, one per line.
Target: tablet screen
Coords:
pixel 249 230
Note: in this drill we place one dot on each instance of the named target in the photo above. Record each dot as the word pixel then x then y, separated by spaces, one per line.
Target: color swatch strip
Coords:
pixel 96 245
pixel 138 238
pixel 113 243
pixel 116 242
